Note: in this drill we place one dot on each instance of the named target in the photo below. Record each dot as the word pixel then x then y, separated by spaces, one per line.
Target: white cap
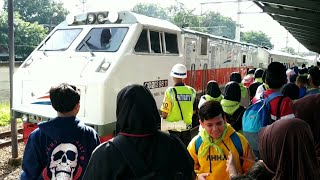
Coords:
pixel 179 71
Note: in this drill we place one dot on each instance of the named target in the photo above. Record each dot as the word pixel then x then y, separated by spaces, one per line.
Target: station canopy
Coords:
pixel 300 17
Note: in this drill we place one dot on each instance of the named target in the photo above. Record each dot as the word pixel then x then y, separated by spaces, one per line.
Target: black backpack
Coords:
pixel 161 158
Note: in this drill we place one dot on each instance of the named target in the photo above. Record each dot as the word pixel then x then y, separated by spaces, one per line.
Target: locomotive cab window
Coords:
pixel 171 43
pixel 155 39
pixel 142 44
pixel 103 40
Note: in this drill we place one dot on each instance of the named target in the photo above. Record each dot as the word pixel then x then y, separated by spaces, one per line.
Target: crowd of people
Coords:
pixel 150 146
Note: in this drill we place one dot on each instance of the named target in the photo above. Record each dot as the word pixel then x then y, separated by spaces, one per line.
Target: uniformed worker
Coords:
pixel 178 106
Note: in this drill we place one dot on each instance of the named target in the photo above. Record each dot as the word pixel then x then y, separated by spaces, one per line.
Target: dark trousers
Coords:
pixel 185 136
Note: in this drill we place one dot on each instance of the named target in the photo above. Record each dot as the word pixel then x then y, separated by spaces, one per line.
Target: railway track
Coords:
pixel 5 138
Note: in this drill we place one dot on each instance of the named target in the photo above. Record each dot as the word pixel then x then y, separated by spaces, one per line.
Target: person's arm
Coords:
pixel 166 105
pixel 31 164
pixel 248 157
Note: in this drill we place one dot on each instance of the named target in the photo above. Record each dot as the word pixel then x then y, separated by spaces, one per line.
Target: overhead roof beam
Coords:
pixel 300 4
pixel 300 31
pixel 285 24
pixel 295 21
pixel 294 14
pixel 307 38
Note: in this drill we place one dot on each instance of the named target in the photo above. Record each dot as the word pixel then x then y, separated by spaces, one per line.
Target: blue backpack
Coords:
pixel 258 115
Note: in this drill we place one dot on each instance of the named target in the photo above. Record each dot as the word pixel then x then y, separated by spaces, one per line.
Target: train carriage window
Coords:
pixel 204 45
pixel 244 58
pixel 103 39
pixel 171 43
pixel 142 44
pixel 155 42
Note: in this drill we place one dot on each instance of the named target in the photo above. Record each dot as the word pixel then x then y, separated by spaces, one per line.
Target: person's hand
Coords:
pixel 231 165
pixel 203 176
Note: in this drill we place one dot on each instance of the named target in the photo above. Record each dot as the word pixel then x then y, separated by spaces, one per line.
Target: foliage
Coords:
pixel 219 25
pixel 4 114
pixel 257 37
pixel 27 35
pixel 151 10
pixel 41 11
pixel 211 22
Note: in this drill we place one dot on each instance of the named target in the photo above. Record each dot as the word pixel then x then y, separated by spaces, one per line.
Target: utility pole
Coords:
pixel 83 2
pixel 14 140
pixel 237 35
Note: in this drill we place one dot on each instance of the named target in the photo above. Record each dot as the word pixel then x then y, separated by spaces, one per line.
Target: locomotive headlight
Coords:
pixel 101 18
pixel 28 62
pixel 91 18
pixel 113 16
pixel 70 19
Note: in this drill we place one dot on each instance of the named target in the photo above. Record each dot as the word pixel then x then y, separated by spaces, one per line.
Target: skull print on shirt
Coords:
pixel 64 162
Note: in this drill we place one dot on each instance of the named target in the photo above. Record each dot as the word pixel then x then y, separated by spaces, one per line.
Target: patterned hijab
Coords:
pixel 286 148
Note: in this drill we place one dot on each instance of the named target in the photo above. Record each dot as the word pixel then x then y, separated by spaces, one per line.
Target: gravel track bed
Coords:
pixel 8 172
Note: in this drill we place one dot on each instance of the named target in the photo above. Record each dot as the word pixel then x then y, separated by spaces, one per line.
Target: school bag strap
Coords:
pixel 235 140
pixel 176 96
pixel 134 160
pixel 279 107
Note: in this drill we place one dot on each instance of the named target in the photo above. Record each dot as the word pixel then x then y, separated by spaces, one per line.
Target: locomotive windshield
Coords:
pixel 60 40
pixel 103 40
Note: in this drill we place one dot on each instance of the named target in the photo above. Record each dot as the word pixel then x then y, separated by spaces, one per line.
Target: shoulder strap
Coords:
pixel 136 164
pixel 198 144
pixel 237 143
pixel 175 92
pixel 272 96
pixel 279 108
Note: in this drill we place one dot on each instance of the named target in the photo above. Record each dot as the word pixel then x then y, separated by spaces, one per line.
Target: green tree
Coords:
pixel 42 11
pixel 219 25
pixel 151 10
pixel 256 37
pixel 27 35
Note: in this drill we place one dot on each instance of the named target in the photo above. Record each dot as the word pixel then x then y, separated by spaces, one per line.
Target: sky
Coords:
pixel 251 19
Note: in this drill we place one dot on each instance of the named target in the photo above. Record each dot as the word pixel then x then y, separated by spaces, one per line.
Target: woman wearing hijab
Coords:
pixel 213 93
pixel 307 109
pixel 287 152
pixel 233 111
pixel 245 99
pixel 139 150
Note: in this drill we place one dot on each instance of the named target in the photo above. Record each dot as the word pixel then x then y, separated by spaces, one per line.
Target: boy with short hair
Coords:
pixel 60 148
pixel 211 147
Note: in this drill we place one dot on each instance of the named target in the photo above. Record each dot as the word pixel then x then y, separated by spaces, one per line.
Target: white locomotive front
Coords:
pixel 100 53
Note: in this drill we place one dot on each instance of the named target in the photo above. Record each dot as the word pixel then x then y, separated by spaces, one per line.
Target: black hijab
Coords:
pixel 232 91
pixel 136 112
pixel 235 76
pixel 213 89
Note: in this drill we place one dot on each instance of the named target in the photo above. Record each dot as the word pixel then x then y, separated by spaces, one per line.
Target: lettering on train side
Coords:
pixel 156 84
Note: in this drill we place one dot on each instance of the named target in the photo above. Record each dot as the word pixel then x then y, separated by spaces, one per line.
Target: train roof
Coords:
pixel 217 37
pixel 124 17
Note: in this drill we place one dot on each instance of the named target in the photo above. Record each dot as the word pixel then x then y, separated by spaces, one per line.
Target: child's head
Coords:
pixel 210 114
pixel 65 98
pixel 302 81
